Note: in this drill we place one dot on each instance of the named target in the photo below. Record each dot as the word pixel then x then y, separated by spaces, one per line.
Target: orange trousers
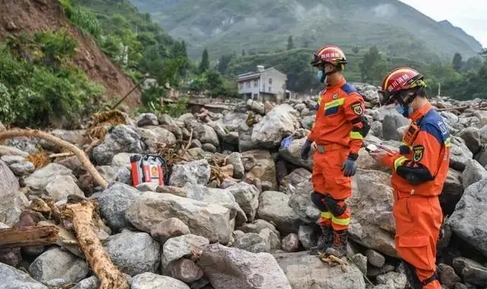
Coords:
pixel 418 221
pixel 329 181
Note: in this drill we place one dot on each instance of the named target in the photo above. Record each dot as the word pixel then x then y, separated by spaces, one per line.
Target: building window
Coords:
pixel 248 83
pixel 270 80
pixel 255 83
pixel 269 89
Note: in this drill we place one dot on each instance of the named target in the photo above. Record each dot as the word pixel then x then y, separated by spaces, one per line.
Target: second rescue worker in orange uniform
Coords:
pixel 338 132
pixel 419 171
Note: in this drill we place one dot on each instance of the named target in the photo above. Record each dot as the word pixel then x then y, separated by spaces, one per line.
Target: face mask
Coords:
pixel 401 111
pixel 320 76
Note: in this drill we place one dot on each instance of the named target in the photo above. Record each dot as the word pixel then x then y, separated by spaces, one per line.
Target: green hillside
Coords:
pixel 264 26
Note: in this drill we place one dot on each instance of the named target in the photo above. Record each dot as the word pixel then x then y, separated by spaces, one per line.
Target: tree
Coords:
pixel 223 63
pixel 457 61
pixel 290 43
pixel 373 66
pixel 205 61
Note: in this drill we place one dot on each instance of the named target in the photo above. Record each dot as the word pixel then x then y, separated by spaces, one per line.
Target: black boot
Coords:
pixel 324 241
pixel 339 246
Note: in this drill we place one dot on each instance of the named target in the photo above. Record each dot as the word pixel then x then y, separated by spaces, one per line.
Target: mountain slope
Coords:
pixel 28 16
pixel 226 26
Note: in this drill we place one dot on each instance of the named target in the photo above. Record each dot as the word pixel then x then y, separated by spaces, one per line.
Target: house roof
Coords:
pixel 255 74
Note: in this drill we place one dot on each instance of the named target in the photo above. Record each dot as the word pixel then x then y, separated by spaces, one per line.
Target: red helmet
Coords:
pixel 399 79
pixel 329 54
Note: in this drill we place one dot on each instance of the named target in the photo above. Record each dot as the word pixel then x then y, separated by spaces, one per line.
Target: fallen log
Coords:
pixel 28 236
pixel 85 161
pixel 81 216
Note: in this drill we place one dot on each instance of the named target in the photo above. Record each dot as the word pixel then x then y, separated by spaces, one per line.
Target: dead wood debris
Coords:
pixel 333 261
pixel 62 143
pixel 39 159
pixel 102 122
pixel 78 214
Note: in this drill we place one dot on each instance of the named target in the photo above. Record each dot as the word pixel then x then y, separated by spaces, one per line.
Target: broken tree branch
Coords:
pixel 28 236
pixel 64 144
pixel 81 215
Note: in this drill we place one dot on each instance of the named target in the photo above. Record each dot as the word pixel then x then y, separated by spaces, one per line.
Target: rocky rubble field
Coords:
pixel 236 211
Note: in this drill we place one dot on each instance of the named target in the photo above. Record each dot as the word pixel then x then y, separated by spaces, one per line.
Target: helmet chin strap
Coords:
pixel 409 99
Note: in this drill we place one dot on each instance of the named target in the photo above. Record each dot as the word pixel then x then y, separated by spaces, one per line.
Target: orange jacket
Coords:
pixel 340 118
pixel 421 166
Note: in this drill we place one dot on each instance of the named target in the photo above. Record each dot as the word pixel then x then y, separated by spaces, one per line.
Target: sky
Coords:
pixel 470 15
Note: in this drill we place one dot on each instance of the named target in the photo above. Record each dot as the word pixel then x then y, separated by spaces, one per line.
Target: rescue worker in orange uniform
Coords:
pixel 419 170
pixel 337 135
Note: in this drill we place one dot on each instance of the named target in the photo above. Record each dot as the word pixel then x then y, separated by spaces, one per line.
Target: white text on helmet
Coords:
pixel 398 81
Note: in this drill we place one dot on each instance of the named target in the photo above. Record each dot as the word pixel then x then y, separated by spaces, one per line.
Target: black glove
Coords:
pixel 305 149
pixel 349 167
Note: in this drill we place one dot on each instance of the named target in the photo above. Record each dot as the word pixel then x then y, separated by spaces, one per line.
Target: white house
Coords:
pixel 263 84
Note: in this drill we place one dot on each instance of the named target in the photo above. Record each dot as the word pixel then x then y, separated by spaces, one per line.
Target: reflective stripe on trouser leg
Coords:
pixel 342 221
pixel 325 219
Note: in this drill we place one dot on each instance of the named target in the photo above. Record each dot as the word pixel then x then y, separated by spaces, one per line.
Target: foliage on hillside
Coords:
pixel 38 84
pixel 264 26
pixel 41 86
pixel 141 47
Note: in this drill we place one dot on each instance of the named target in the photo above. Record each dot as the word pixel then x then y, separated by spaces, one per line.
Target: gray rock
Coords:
pixel 235 159
pixel 172 227
pixel 208 220
pixel 146 119
pixel 194 172
pixel 305 271
pixel 235 268
pixel 88 283
pixel 391 123
pixel 43 176
pixel 300 202
pixel 274 208
pixel 219 197
pixel 393 279
pixel 473 173
pixel 247 197
pixel 19 165
pixel 471 136
pixel 452 191
pixel 134 252
pixel 293 179
pixel 179 247
pixel 371 192
pixel 154 281
pixel 114 201
pixel 60 187
pixel 154 135
pixel 252 242
pixel 290 243
pixel 121 138
pixel 16 279
pixel 468 220
pixel 282 120
pixel 58 264
pixel 471 271
pixel 375 258
pixel 12 203
pixel 111 174
pixel 459 154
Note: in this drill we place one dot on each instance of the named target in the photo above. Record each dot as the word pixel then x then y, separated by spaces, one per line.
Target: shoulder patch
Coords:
pixel 357 108
pixel 418 152
pixel 348 88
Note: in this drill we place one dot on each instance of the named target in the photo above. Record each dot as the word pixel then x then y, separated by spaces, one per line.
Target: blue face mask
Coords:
pixel 400 110
pixel 319 75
